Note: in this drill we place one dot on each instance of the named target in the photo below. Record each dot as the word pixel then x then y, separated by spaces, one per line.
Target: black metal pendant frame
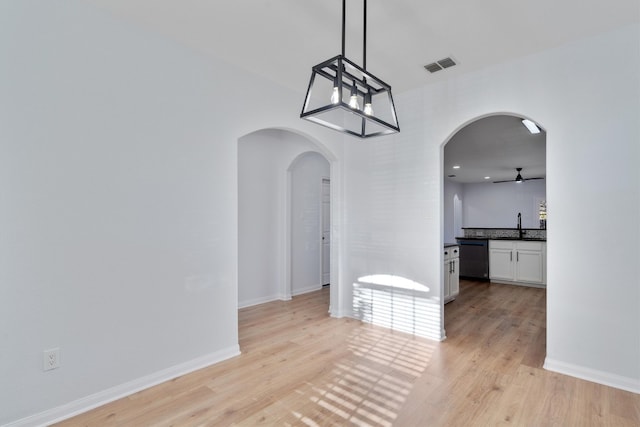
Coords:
pixel 336 88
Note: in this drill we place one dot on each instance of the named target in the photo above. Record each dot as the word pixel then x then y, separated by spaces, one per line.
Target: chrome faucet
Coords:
pixel 520 233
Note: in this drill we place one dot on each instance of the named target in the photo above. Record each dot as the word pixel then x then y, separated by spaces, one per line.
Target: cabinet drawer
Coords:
pixel 501 244
pixel 451 252
pixel 530 246
pixel 454 252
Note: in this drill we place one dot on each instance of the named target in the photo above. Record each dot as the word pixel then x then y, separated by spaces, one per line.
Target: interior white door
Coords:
pixel 326 226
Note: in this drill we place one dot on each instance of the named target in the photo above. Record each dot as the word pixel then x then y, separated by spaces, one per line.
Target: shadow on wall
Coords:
pixel 397 303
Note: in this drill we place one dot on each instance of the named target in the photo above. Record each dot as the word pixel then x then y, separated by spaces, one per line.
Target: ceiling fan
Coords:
pixel 519 178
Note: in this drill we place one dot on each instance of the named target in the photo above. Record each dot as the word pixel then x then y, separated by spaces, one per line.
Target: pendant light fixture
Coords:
pixel 346 97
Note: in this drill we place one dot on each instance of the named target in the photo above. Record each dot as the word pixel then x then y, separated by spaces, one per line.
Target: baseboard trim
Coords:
pixel 258 301
pixel 338 314
pixel 600 377
pixel 271 298
pixel 306 290
pixel 525 284
pixel 87 403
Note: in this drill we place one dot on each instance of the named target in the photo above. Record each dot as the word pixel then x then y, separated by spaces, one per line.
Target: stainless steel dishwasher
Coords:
pixel 474 258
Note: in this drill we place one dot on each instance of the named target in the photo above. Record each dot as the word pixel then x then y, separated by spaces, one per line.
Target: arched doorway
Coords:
pixel 479 166
pixel 267 160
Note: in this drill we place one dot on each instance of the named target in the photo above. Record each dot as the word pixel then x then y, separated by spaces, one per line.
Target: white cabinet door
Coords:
pixel 516 261
pixel 451 274
pixel 529 266
pixel 454 278
pixel 447 281
pixel 501 266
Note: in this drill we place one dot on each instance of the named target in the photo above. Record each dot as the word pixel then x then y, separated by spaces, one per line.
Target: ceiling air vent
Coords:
pixel 440 65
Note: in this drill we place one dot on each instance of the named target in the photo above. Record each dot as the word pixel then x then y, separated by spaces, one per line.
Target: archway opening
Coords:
pixel 277 215
pixel 496 219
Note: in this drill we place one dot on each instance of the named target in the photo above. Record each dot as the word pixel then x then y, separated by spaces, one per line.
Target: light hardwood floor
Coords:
pixel 301 367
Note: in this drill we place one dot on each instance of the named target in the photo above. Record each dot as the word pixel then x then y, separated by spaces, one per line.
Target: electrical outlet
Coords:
pixel 51 359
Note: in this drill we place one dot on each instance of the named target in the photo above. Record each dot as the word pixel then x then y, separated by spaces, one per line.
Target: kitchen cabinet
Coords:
pixel 518 262
pixel 501 266
pixel 451 273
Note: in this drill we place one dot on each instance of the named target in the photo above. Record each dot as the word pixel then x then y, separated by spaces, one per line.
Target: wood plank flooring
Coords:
pixel 301 367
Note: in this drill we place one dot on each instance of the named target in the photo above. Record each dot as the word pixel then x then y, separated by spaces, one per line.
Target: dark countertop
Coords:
pixel 473 238
pixel 530 239
pixel 498 228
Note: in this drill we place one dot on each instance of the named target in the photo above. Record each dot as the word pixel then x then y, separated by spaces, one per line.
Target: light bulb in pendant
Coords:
pixel 353 101
pixel 335 96
pixel 368 109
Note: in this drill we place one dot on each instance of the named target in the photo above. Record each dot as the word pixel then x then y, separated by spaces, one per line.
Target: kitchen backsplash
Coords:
pixel 504 233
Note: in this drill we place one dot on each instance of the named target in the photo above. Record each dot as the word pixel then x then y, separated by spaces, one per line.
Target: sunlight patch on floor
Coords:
pixel 370 387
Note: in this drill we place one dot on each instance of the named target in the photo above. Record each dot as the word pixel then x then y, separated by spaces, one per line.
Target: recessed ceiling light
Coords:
pixel 487 177
pixel 456 166
pixel 533 128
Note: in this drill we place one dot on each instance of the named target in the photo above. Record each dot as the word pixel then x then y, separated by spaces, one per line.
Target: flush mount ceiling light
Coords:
pixel 533 128
pixel 338 88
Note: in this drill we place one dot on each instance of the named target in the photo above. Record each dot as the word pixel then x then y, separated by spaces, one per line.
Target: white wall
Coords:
pixel 591 115
pixel 497 205
pixel 118 204
pixel 264 158
pixel 118 207
pixel 393 200
pixel 451 190
pixel 307 173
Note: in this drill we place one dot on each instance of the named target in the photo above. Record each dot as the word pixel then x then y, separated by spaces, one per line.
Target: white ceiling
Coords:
pixel 495 146
pixel 282 39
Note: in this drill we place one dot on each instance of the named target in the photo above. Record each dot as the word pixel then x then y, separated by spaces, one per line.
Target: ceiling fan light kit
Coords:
pixel 346 97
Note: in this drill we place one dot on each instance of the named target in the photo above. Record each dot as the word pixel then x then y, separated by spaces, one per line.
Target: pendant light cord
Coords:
pixel 364 38
pixel 344 9
pixel 364 31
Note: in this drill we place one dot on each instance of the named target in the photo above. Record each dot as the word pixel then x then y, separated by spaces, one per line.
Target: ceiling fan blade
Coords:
pixel 519 178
